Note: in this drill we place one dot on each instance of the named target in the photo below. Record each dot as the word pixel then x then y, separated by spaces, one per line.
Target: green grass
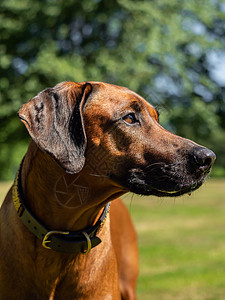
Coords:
pixel 4 187
pixel 181 242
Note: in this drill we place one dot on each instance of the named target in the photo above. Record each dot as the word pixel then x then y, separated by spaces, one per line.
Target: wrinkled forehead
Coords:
pixel 110 97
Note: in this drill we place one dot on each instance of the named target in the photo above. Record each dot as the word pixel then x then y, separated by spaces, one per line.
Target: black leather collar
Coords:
pixel 62 241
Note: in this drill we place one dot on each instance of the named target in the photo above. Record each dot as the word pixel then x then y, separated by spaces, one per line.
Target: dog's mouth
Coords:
pixel 172 185
pixel 156 191
pixel 148 190
pixel 176 193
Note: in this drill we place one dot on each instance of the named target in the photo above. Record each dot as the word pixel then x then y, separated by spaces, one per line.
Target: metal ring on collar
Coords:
pixel 88 243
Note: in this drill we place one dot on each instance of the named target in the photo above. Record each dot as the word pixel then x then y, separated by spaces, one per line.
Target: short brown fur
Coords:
pixel 109 158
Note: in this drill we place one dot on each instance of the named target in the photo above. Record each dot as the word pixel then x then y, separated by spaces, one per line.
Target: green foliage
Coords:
pixel 153 47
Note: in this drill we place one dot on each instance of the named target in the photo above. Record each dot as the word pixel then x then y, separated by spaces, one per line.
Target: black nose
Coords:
pixel 203 159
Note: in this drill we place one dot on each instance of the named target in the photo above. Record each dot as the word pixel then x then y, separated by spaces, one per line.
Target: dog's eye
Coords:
pixel 130 118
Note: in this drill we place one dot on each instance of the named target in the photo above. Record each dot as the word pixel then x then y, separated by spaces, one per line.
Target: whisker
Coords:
pixel 132 197
pixel 155 164
pixel 98 175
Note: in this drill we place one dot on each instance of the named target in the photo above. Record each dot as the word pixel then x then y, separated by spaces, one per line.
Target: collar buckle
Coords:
pixel 48 234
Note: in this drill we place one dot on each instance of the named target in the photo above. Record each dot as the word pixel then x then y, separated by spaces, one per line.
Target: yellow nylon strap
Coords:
pixel 15 193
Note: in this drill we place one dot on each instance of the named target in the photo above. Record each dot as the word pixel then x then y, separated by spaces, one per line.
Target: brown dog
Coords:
pixel 91 143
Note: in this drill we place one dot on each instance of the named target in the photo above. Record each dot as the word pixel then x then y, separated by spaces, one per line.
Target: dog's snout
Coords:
pixel 203 158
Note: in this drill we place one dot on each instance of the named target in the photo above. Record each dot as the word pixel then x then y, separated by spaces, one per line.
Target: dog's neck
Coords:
pixel 59 200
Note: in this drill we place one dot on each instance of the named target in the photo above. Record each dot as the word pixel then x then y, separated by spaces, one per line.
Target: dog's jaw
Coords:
pixel 163 181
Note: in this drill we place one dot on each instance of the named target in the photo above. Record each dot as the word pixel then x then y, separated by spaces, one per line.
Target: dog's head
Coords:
pixel 115 134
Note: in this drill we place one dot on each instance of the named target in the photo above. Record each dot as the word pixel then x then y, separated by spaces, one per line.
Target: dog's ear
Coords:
pixel 54 120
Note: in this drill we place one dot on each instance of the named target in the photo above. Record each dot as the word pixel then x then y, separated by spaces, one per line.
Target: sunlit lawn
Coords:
pixel 182 244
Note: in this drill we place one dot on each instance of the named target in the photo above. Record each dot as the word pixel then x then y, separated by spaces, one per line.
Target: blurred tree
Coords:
pixel 170 48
